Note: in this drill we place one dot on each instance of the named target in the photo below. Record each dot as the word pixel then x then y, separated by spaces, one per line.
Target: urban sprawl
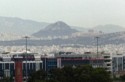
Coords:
pixel 34 58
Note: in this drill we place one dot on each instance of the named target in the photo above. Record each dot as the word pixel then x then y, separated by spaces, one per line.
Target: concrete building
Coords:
pixel 32 62
pixel 108 61
pixel 29 64
pixel 118 64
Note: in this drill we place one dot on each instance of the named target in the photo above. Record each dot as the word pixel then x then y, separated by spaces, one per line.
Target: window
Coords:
pixel 24 66
pixel 7 66
pixel 0 66
pixel 30 65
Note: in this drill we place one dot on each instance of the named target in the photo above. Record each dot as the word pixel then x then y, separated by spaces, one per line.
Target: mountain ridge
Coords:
pixel 20 26
pixel 28 27
pixel 56 29
pixel 109 28
pixel 83 40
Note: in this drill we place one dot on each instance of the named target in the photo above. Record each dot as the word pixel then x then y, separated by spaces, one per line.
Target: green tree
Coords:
pixel 69 74
pixel 6 79
pixel 100 75
pixel 38 76
pixel 122 77
pixel 57 75
pixel 83 73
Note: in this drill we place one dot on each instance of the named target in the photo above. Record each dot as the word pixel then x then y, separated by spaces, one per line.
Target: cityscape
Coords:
pixel 62 41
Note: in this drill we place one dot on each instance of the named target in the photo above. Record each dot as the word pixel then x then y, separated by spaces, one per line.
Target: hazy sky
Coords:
pixel 84 13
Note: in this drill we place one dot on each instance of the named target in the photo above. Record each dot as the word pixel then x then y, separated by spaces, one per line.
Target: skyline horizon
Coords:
pixel 82 13
pixel 62 21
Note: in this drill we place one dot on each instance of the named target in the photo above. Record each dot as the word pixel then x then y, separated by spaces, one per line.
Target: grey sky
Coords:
pixel 84 13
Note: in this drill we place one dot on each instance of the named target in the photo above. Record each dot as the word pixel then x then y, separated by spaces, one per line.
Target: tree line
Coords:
pixel 84 73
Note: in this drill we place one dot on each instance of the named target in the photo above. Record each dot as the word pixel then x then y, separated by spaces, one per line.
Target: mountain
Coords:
pixel 109 28
pixel 82 40
pixel 20 26
pixel 81 29
pixel 56 29
pixel 23 26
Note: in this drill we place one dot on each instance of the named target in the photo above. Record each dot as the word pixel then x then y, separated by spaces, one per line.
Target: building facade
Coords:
pixel 32 62
pixel 118 62
pixel 29 65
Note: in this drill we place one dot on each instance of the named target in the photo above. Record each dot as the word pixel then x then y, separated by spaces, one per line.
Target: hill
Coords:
pixel 19 26
pixel 55 30
pixel 81 40
pixel 109 28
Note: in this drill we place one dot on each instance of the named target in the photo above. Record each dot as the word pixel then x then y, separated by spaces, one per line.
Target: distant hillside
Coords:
pixel 85 39
pixel 20 26
pixel 56 29
pixel 109 28
pixel 12 28
pixel 23 26
pixel 81 29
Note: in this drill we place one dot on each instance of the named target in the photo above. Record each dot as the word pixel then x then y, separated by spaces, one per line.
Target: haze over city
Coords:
pixel 62 22
pixel 62 40
pixel 83 13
